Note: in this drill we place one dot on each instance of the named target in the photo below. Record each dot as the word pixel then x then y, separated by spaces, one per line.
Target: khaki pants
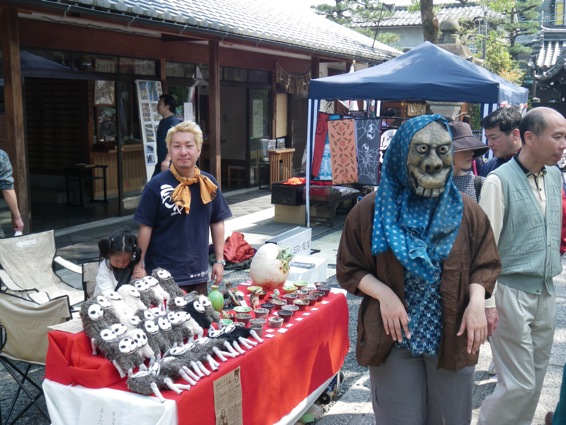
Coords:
pixel 521 347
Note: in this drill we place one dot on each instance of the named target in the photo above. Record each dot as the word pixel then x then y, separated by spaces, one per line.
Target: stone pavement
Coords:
pixel 354 405
pixel 253 216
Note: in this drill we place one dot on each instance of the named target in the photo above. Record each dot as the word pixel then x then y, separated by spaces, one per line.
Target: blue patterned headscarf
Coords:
pixel 420 231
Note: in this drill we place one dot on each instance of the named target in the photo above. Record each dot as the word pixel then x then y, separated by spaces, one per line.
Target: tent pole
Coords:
pixel 311 130
pixel 486 109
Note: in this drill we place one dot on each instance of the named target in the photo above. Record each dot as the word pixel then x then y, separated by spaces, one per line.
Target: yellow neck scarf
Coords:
pixel 182 193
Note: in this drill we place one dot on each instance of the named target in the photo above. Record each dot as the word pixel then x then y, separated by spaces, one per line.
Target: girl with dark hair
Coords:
pixel 119 253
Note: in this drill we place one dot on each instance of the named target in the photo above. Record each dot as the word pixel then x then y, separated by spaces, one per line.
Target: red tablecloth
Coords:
pixel 276 375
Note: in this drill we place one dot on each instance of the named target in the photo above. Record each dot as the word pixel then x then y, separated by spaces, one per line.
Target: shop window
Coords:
pixel 129 127
pixel 180 92
pixel 256 76
pixel 137 66
pixel 94 63
pixel 106 124
pixel 56 56
pixel 179 70
pixel 203 70
pixel 235 74
pixel 104 93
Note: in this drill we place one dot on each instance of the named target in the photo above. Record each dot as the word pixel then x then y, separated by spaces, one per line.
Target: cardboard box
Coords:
pixel 298 240
pixel 310 268
pixel 296 215
pixel 290 214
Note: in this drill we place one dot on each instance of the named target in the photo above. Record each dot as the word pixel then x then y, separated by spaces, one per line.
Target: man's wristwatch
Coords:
pixel 223 262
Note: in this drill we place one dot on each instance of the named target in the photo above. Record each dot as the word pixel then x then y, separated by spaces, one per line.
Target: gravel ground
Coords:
pixel 351 370
pixel 9 387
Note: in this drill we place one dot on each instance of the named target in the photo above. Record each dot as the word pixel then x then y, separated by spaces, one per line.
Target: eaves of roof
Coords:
pixel 257 22
pixel 549 53
pixel 554 71
pixel 552 51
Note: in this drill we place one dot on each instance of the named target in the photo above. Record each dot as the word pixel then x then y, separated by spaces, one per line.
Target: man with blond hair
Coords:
pixel 177 209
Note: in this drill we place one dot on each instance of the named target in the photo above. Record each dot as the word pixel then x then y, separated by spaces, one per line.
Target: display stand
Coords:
pixel 280 377
pixel 280 165
pixel 323 210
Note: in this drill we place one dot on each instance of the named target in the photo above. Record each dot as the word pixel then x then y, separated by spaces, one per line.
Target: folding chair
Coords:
pixel 23 347
pixel 28 264
pixel 90 270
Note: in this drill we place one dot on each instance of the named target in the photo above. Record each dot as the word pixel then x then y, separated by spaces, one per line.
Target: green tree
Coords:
pixel 498 59
pixel 522 18
pixel 364 16
pixel 496 33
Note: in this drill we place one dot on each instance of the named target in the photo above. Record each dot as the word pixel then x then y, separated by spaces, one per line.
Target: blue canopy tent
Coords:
pixel 425 73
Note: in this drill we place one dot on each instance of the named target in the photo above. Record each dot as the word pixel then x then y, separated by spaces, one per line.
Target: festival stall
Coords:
pixel 425 73
pixel 271 381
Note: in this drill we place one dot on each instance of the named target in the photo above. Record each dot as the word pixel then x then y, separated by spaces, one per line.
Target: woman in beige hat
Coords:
pixel 466 149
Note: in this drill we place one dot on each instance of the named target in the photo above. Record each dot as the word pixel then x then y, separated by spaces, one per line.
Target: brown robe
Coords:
pixel 473 259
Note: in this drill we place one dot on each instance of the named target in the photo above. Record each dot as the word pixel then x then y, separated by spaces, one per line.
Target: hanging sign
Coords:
pixel 148 96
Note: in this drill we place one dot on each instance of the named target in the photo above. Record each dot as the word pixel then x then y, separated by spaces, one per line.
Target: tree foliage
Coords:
pixel 499 61
pixel 364 16
pixel 521 19
pixel 496 34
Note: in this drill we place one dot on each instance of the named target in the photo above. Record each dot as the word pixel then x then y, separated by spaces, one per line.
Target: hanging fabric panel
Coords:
pixel 319 142
pixel 368 135
pixel 342 140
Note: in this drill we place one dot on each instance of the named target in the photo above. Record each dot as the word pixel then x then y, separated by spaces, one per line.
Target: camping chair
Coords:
pixel 23 347
pixel 28 268
pixel 90 270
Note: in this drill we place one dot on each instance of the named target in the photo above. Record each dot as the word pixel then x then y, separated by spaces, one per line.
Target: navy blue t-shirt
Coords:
pixel 179 241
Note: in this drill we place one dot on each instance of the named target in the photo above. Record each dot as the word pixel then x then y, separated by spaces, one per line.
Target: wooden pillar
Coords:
pixel 10 42
pixel 163 75
pixel 315 67
pixel 273 104
pixel 214 109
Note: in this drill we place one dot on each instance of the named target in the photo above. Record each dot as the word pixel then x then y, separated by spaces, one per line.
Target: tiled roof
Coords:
pixel 549 53
pixel 551 46
pixel 260 21
pixel 403 18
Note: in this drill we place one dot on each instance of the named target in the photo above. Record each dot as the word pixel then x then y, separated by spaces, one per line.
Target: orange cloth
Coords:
pixel 295 181
pixel 182 194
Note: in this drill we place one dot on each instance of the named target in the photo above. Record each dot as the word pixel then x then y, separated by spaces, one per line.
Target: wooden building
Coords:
pixel 72 72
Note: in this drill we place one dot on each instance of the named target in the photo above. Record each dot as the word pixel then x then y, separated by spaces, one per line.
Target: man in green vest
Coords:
pixel 522 199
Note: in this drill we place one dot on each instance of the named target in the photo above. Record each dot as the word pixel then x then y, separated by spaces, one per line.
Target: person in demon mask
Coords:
pixel 424 273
